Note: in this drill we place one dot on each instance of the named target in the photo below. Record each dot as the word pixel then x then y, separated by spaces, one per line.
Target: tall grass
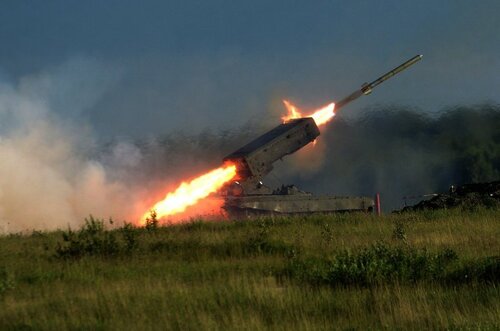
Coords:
pixel 429 270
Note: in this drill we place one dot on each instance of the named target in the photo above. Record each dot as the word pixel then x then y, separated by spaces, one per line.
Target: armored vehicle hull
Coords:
pixel 247 206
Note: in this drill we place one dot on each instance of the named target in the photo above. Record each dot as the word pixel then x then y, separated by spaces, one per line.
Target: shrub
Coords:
pixel 129 233
pixel 374 265
pixel 327 235
pixel 260 243
pixel 6 281
pixel 399 232
pixel 152 222
pixel 91 239
pixel 482 270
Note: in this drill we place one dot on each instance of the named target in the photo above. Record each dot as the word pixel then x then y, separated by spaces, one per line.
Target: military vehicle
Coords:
pixel 248 196
pixel 467 196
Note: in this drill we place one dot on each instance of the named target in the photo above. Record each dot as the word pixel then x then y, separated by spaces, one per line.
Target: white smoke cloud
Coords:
pixel 48 178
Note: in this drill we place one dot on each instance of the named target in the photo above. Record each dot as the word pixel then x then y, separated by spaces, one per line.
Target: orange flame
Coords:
pixel 320 116
pixel 189 193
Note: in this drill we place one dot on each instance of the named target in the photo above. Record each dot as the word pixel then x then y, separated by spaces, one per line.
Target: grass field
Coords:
pixel 429 270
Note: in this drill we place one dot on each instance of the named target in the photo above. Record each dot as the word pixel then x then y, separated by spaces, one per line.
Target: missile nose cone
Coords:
pixel 367 88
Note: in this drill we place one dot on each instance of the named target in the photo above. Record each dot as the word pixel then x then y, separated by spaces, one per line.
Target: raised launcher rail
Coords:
pixel 255 160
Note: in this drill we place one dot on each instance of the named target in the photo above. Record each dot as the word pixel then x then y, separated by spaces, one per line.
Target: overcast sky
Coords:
pixel 133 68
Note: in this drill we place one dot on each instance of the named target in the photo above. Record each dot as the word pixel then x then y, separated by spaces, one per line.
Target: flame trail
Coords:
pixel 189 193
pixel 320 116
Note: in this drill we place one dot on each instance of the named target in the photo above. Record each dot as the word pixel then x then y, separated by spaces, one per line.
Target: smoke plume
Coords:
pixel 49 177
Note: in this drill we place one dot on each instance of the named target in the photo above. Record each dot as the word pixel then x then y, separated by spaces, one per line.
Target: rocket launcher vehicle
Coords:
pixel 255 160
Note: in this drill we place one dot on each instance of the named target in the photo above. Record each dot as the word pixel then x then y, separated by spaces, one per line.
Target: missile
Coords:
pixel 367 88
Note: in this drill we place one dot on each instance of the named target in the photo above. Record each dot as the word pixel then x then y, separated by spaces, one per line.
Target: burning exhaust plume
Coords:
pixel 320 116
pixel 190 193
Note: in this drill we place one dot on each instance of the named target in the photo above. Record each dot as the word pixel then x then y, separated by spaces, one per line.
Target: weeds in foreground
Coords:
pixel 6 281
pixel 94 240
pixel 399 232
pixel 380 264
pixel 152 222
pixel 486 270
pixel 327 234
pixel 129 233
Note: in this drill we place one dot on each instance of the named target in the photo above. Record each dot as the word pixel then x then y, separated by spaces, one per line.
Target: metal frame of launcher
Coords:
pixel 248 195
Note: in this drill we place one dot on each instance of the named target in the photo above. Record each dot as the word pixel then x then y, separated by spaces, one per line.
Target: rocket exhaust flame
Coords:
pixel 189 193
pixel 320 116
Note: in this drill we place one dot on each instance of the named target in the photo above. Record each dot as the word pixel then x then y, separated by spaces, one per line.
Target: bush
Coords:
pixel 129 233
pixel 152 222
pixel 483 270
pixel 93 240
pixel 374 265
pixel 327 234
pixel 399 232
pixel 6 281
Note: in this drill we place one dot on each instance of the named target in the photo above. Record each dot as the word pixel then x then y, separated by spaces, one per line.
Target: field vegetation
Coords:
pixel 426 270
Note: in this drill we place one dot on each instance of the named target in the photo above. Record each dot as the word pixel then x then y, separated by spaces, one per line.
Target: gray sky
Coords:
pixel 133 68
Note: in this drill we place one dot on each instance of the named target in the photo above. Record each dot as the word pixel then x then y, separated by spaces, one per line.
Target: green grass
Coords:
pixel 429 270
